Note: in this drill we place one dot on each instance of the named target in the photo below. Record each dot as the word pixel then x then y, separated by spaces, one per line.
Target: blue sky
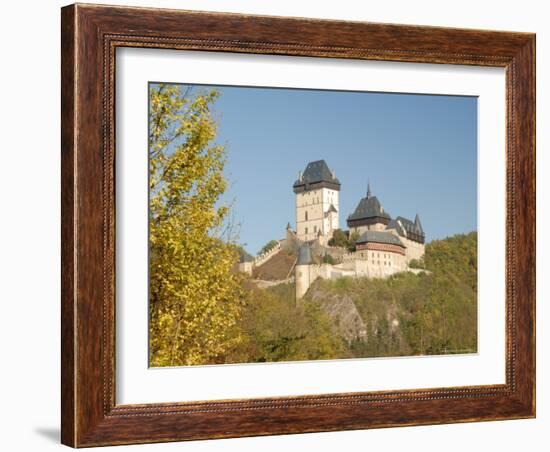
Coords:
pixel 418 151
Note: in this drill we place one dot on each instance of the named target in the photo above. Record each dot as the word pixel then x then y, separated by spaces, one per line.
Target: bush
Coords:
pixel 328 259
pixel 339 238
pixel 410 314
pixel 342 240
pixel 276 328
pixel 417 263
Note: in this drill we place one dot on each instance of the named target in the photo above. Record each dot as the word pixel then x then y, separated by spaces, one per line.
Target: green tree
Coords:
pixel 275 328
pixel 195 297
pixel 353 237
pixel 339 238
pixel 343 240
pixel 430 313
pixel 417 263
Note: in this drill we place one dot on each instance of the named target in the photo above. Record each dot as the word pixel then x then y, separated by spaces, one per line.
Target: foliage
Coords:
pixel 417 263
pixel 195 298
pixel 353 237
pixel 244 256
pixel 429 313
pixel 275 328
pixel 339 238
pixel 454 256
pixel 342 240
pixel 328 259
pixel 268 246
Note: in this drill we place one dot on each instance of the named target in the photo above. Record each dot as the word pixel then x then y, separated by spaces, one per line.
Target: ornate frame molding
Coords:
pixel 90 37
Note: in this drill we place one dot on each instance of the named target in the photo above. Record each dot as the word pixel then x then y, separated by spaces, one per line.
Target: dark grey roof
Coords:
pixel 332 209
pixel 317 171
pixel 414 228
pixel 369 207
pixel 380 237
pixel 304 255
pixel 394 224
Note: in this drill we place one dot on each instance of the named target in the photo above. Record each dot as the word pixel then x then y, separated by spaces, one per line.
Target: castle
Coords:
pixel 383 245
pixel 380 245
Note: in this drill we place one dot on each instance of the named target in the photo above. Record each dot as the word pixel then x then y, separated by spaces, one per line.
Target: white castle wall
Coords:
pixel 356 265
pixel 246 267
pixel 378 262
pixel 415 250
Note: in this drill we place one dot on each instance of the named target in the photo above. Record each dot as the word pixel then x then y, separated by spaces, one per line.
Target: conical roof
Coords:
pixel 369 207
pixel 304 255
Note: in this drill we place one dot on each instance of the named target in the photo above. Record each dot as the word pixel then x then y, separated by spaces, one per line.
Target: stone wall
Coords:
pixel 353 265
pixel 246 267
pixel 262 258
pixel 415 250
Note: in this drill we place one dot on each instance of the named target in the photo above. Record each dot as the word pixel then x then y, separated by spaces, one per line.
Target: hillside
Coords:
pixel 406 314
pixel 414 314
pixel 277 268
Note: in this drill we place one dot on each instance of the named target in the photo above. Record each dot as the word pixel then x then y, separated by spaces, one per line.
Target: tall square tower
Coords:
pixel 317 202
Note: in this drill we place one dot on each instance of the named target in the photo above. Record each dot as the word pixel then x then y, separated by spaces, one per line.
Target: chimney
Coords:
pixel 300 175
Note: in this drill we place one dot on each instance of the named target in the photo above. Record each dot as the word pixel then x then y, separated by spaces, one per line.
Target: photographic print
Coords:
pixel 301 224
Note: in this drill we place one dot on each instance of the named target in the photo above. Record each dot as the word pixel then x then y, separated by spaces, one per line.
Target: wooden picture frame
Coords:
pixel 90 35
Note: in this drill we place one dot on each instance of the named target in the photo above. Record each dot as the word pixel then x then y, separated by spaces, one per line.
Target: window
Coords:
pixel 306 230
pixel 314 228
pixel 306 219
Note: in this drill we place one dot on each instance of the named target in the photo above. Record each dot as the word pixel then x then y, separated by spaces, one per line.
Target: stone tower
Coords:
pixel 303 271
pixel 317 202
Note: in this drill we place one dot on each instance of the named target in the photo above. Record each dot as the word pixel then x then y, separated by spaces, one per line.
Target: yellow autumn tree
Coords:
pixel 194 295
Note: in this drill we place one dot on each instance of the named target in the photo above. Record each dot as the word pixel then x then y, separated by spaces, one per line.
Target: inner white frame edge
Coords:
pixel 136 383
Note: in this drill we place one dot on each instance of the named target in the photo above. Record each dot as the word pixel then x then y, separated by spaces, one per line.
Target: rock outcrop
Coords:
pixel 343 312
